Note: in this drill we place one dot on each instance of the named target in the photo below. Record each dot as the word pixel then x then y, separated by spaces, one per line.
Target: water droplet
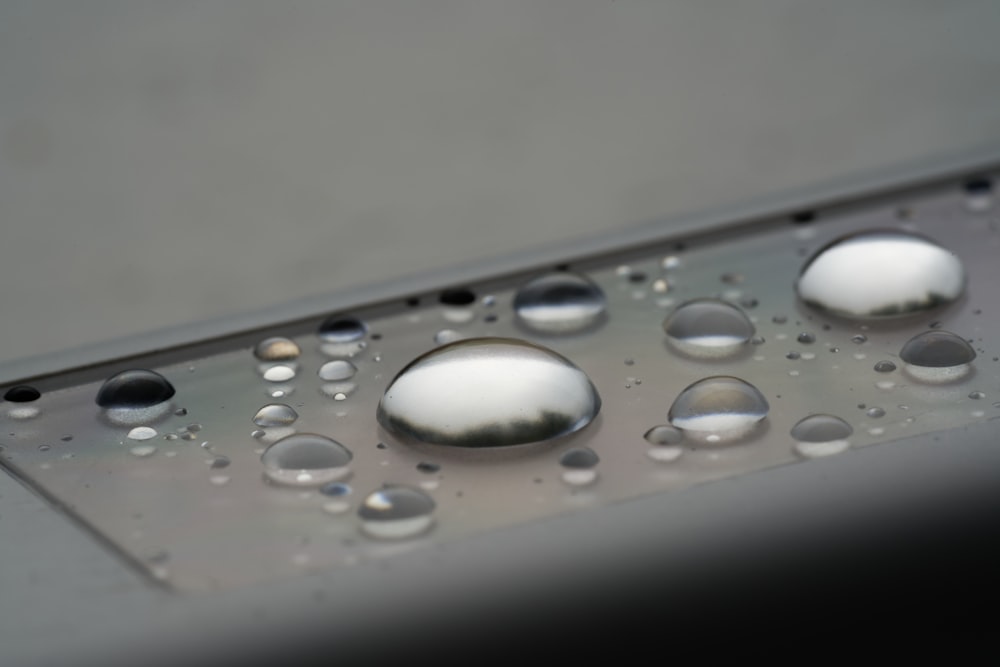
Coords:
pixel 859 339
pixel 396 512
pixel 277 349
pixel 142 433
pixel 339 329
pixel 806 338
pixel 338 391
pixel 445 336
pixel 579 457
pixel 707 328
pixel 336 370
pixel 779 319
pixel 732 278
pixel 335 489
pixel 488 392
pixel 134 389
pixel 44 448
pixel 979 195
pixel 429 468
pixel 306 459
pixel 663 435
pixel 460 296
pixel 821 435
pixel 793 355
pixel 976 395
pixel 937 356
pixel 875 412
pixel 279 373
pixel 884 366
pixel 560 303
pixel 219 462
pixel 21 394
pixel 719 408
pixel 143 451
pixel 881 274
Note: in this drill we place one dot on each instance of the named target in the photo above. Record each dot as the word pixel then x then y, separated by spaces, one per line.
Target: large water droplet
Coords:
pixel 881 274
pixel 134 389
pixel 708 328
pixel 336 370
pixel 488 392
pixel 275 414
pixel 396 512
pixel 306 459
pixel 560 303
pixel 21 394
pixel 718 409
pixel 821 435
pixel 937 356
pixel 277 349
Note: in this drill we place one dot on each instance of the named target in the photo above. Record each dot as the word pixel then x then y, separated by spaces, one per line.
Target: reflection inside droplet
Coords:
pixel 396 512
pixel 708 328
pixel 718 409
pixel 937 357
pixel 306 459
pixel 560 302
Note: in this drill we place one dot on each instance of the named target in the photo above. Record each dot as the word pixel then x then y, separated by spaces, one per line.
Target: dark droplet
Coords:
pixel 134 389
pixel 22 394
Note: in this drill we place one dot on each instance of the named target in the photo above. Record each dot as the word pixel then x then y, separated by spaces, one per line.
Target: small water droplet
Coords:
pixel 488 392
pixel 335 489
pixel 937 356
pixel 219 462
pixel 142 433
pixel 134 389
pixel 338 391
pixel 428 468
pixel 306 459
pixel 66 438
pixel 806 338
pixel 336 370
pixel 875 412
pixel 884 366
pixel 21 394
pixel 757 340
pixel 708 328
pixel 340 329
pixel 976 395
pixel 719 408
pixel 560 303
pixel 881 274
pixel 396 512
pixel 143 451
pixel 821 435
pixel 979 195
pixel 277 349
pixel 663 435
pixel 779 319
pixel 279 373
pixel 44 448
pixel 793 355
pixel 859 339
pixel 579 457
pixel 180 412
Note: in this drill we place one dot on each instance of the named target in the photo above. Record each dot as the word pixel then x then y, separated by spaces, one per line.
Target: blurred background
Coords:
pixel 164 163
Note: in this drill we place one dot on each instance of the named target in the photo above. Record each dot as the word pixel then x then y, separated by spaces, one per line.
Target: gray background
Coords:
pixel 163 163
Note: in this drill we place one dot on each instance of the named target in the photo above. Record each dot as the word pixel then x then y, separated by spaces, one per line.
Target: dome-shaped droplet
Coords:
pixel 579 457
pixel 306 459
pixel 21 394
pixel 821 435
pixel 134 389
pixel 718 409
pixel 277 349
pixel 560 303
pixel 937 356
pixel 336 370
pixel 488 392
pixel 708 328
pixel 339 329
pixel 663 435
pixel 275 414
pixel 396 512
pixel 881 274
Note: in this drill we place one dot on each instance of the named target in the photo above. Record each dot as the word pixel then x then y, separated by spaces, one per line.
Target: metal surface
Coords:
pixel 242 537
